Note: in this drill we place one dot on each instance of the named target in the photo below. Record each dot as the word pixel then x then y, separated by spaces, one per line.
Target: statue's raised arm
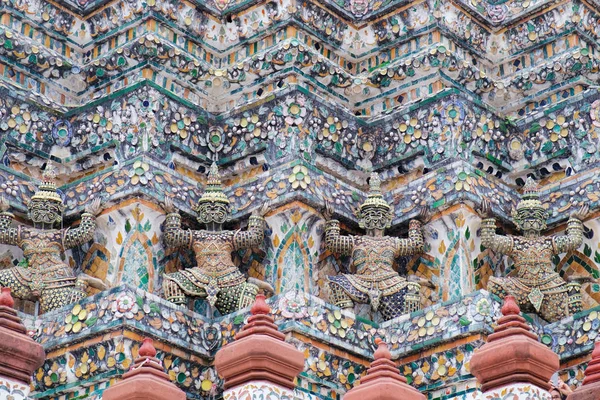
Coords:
pixel 173 235
pixel 574 237
pixel 489 239
pixel 85 231
pixel 336 243
pixel 254 236
pixel 8 234
pixel 415 243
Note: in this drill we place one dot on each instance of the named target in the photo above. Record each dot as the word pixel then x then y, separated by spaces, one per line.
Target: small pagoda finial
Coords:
pixel 6 299
pixel 260 305
pixel 49 173
pixel 374 184
pixel 531 187
pixel 147 349
pixel 510 306
pixel 382 351
pixel 214 178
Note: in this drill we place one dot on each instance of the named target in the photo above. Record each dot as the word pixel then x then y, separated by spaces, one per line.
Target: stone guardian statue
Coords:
pixel 215 277
pixel 375 281
pixel 47 278
pixel 535 284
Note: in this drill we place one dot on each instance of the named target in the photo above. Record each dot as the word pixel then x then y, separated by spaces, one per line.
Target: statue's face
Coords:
pixel 531 220
pixel 212 212
pixel 374 218
pixel 45 212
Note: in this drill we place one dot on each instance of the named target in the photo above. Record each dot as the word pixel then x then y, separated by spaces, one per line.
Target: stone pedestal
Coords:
pixel 259 361
pixel 20 356
pixel 383 381
pixel 513 359
pixel 145 381
pixel 590 389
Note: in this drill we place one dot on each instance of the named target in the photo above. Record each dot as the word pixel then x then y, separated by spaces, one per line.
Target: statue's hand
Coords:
pixel 4 205
pixel 92 281
pixel 263 210
pixel 582 212
pixel 169 207
pixel 328 210
pixel 95 207
pixel 485 210
pixel 424 215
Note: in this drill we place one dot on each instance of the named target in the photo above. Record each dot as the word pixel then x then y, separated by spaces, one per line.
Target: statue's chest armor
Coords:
pixel 533 255
pixel 373 255
pixel 213 250
pixel 42 246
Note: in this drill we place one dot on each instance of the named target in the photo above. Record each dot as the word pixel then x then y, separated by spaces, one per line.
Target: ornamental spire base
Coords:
pixel 146 380
pixel 383 380
pixel 513 359
pixel 259 361
pixel 590 389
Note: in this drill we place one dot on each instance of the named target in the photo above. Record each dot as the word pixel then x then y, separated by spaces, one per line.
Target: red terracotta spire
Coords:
pixel 146 380
pixel 259 353
pixel 20 356
pixel 591 383
pixel 383 380
pixel 513 354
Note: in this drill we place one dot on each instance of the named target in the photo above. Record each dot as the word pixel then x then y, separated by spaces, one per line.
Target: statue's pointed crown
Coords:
pixel 375 198
pixel 47 189
pixel 214 190
pixel 531 195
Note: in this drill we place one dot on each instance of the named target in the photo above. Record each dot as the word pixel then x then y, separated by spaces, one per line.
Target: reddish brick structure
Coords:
pixel 146 380
pixel 590 389
pixel 259 353
pixel 20 356
pixel 383 380
pixel 513 354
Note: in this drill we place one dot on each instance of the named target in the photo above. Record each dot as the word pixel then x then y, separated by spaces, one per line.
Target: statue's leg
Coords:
pixel 10 278
pixel 404 301
pixel 393 306
pixel 54 298
pixel 338 296
pixel 555 306
pixel 502 287
pixel 235 298
pixel 173 292
pixel 575 301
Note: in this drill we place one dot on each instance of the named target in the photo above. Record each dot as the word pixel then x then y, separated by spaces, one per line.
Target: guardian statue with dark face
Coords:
pixel 215 277
pixel 375 281
pixel 535 284
pixel 47 278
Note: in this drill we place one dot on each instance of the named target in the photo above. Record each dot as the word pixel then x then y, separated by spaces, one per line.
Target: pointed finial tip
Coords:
pixel 530 185
pixel 49 173
pixel 596 352
pixel 260 305
pixel 147 349
pixel 6 298
pixel 510 306
pixel 382 351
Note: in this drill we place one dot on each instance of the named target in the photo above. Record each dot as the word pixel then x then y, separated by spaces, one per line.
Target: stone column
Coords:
pixel 20 356
pixel 513 360
pixel 590 389
pixel 259 362
pixel 383 380
pixel 146 380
